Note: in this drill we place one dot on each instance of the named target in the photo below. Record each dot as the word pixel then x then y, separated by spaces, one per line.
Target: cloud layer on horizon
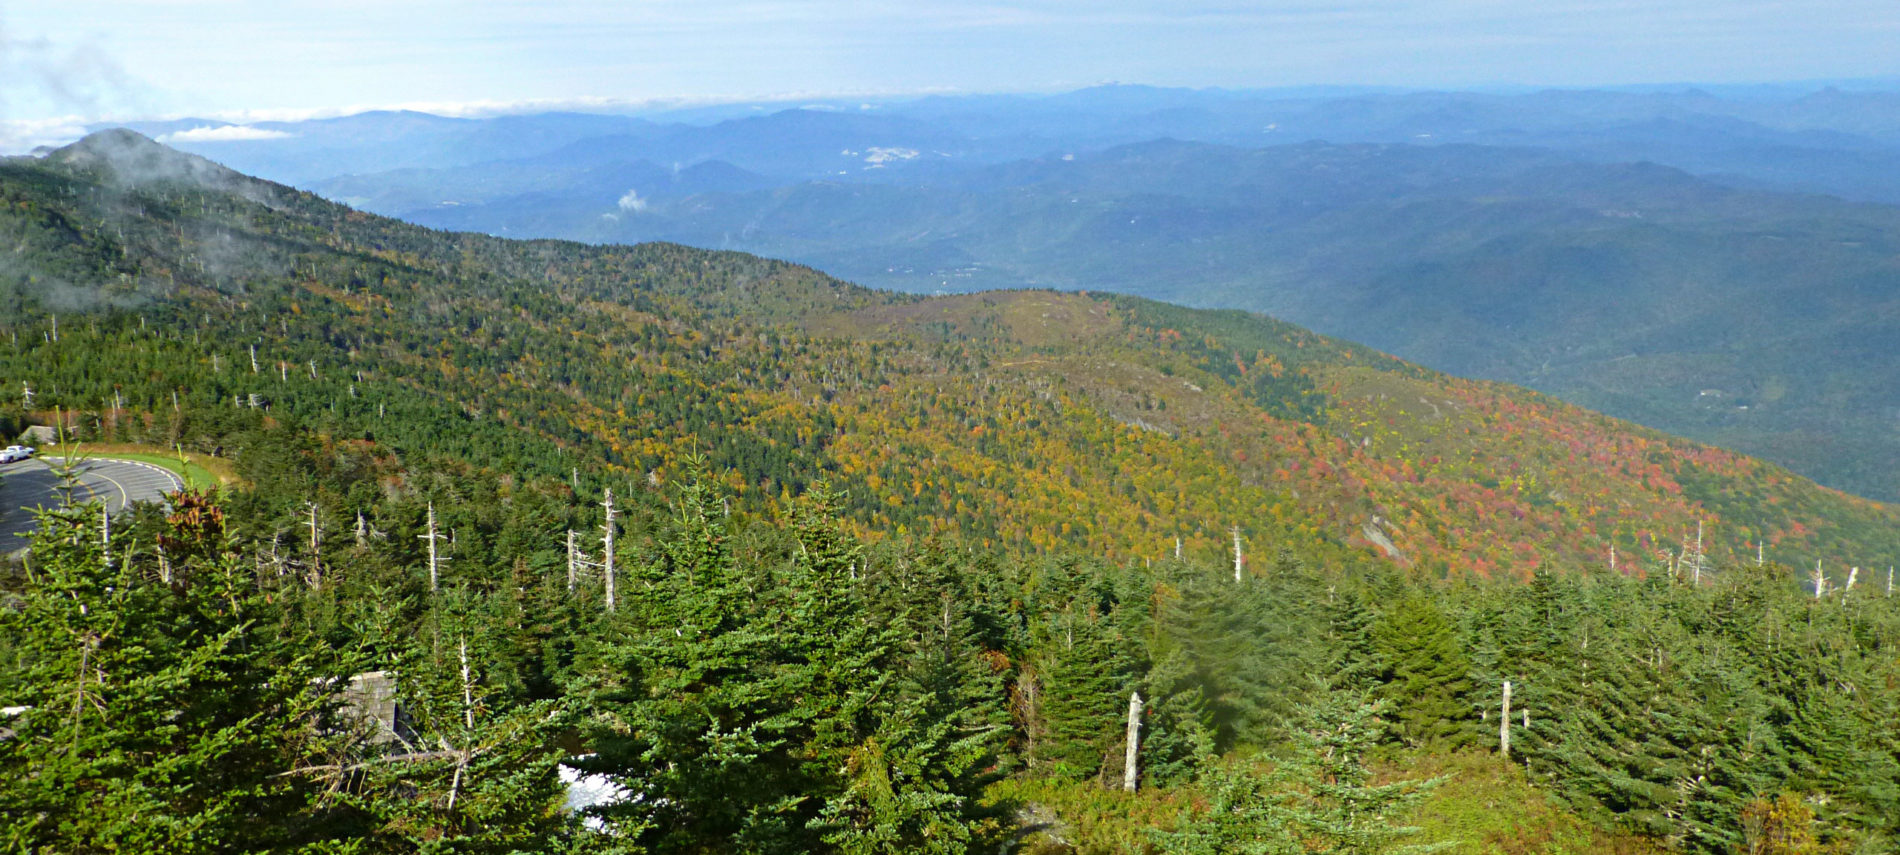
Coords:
pixel 197 57
pixel 223 133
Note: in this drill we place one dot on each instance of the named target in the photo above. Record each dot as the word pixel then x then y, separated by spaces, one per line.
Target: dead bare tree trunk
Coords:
pixel 1504 723
pixel 1240 560
pixel 1697 577
pixel 1027 704
pixel 1131 771
pixel 1820 580
pixel 468 721
pixel 573 570
pixel 607 538
pixel 316 550
pixel 435 556
pixel 468 686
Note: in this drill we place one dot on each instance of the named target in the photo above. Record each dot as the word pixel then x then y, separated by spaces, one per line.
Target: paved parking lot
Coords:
pixel 30 484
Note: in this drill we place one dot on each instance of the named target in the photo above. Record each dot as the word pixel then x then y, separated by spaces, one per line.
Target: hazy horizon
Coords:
pixel 222 59
pixel 18 136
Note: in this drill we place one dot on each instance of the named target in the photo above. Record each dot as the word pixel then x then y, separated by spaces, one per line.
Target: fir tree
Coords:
pixel 155 717
pixel 1086 673
pixel 479 772
pixel 1425 675
pixel 1320 799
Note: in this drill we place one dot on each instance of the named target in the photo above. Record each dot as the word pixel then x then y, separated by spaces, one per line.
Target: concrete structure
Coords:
pixel 370 697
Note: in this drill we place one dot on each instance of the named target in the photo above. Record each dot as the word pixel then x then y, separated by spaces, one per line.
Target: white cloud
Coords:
pixel 761 101
pixel 18 136
pixel 225 133
pixel 612 105
pixel 632 202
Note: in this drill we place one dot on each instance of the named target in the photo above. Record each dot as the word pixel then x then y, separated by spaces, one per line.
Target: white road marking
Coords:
pixel 176 482
pixel 125 498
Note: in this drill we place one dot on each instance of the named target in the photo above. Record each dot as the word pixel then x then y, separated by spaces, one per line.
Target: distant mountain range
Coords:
pixel 1832 141
pixel 1716 264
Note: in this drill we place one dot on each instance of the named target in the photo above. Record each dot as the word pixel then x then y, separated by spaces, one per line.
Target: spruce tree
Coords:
pixel 155 716
pixel 478 770
pixel 694 705
pixel 1335 807
pixel 1086 672
pixel 1425 677
pixel 1319 799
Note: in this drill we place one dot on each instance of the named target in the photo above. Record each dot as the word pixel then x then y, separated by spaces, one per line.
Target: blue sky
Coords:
pixel 283 58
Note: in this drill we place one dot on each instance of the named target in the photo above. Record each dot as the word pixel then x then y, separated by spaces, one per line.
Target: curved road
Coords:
pixel 29 484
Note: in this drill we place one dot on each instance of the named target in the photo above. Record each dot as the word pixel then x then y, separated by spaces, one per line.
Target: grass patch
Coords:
pixel 199 471
pixel 1085 819
pixel 1488 807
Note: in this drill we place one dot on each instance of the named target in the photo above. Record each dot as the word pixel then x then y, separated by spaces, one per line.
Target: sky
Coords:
pixel 67 60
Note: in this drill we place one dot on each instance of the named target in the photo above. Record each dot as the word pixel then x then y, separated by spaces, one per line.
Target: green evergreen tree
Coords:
pixel 1086 673
pixel 1320 799
pixel 695 706
pixel 479 773
pixel 155 715
pixel 1354 664
pixel 1177 737
pixel 1425 677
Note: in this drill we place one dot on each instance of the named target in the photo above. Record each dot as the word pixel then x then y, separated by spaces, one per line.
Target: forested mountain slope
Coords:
pixel 1630 288
pixel 1025 419
pixel 435 433
pixel 1627 251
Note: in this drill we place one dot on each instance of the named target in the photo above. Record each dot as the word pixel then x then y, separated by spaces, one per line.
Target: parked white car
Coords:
pixel 16 453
